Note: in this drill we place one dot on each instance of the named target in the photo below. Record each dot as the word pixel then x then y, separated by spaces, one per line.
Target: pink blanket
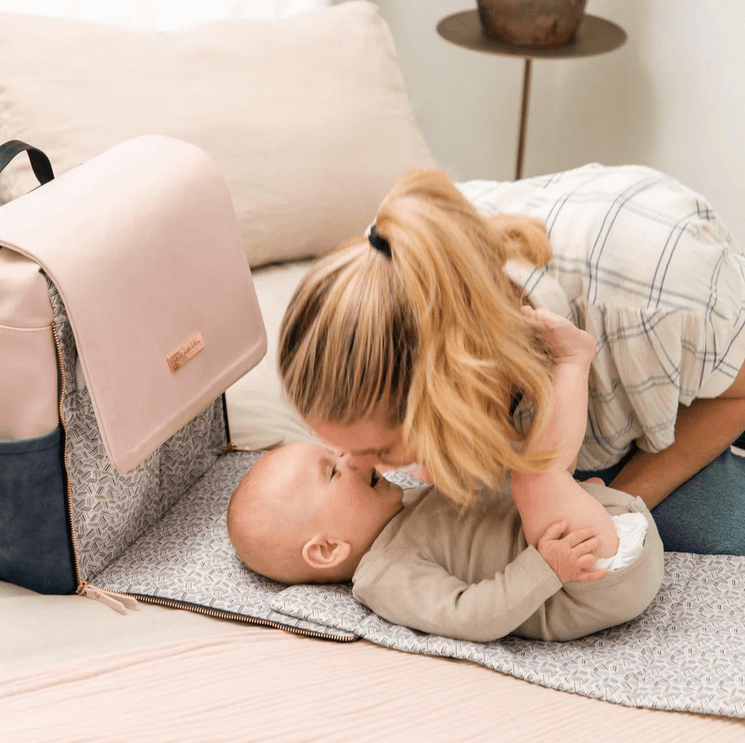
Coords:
pixel 256 684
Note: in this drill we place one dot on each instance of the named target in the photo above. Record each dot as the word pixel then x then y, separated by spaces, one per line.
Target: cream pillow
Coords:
pixel 307 117
pixel 258 410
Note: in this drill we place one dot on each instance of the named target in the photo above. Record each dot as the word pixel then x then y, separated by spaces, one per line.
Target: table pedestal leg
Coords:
pixel 523 119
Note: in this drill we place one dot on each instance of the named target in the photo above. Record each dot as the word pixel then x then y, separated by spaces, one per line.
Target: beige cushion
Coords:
pixel 260 415
pixel 307 118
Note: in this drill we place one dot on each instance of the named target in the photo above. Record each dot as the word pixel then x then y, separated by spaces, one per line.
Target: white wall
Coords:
pixel 673 97
pixel 160 15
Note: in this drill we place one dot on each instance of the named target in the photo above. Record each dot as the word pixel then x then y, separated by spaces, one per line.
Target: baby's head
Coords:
pixel 303 515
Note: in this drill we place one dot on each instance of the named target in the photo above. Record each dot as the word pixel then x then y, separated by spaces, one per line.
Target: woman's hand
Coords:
pixel 570 554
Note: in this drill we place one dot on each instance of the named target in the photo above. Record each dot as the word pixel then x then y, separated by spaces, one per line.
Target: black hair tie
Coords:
pixel 378 242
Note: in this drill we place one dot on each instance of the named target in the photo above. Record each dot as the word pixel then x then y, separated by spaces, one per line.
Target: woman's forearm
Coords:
pixel 702 432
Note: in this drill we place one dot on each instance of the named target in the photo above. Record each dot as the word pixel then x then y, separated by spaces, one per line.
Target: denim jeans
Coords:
pixel 706 514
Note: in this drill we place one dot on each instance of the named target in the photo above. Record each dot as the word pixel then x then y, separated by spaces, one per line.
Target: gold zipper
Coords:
pixel 216 613
pixel 221 614
pixel 70 514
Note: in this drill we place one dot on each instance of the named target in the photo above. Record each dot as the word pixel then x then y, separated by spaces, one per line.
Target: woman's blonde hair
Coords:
pixel 432 334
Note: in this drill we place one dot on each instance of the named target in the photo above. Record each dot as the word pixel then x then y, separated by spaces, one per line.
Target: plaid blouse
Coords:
pixel 645 266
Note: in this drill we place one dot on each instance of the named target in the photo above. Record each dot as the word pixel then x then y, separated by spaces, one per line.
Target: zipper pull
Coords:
pixel 116 601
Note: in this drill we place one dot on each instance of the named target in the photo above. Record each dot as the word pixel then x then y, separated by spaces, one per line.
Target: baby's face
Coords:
pixel 350 504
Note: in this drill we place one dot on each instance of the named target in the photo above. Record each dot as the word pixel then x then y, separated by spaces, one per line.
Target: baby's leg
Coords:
pixel 547 497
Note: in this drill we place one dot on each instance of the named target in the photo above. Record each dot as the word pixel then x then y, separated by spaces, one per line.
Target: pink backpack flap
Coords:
pixel 142 245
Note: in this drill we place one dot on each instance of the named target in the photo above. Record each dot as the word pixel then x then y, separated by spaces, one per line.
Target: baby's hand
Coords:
pixel 568 344
pixel 569 554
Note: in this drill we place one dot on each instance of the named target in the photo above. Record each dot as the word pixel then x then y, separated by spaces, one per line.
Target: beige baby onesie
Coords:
pixel 471 575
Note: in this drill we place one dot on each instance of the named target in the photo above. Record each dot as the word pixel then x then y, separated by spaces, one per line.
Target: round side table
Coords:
pixel 595 36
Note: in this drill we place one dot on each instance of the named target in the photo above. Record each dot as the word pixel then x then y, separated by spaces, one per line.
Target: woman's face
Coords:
pixel 371 442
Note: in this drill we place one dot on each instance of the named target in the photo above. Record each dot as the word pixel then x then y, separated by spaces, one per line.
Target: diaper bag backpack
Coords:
pixel 126 309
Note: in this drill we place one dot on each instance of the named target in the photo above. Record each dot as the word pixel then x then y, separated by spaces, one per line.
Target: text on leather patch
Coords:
pixel 186 351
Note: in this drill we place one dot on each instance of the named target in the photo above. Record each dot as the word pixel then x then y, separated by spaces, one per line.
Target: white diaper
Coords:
pixel 631 529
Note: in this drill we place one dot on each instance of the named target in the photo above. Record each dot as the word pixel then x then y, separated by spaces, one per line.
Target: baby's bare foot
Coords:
pixel 567 342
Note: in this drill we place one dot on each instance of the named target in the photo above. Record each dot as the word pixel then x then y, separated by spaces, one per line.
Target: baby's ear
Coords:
pixel 323 553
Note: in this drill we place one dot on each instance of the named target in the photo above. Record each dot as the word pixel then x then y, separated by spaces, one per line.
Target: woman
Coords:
pixel 410 345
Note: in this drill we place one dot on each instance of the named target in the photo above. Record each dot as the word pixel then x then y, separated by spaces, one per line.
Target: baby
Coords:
pixel 556 561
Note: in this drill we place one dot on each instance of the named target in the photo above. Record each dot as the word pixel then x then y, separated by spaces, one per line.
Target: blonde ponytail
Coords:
pixel 434 333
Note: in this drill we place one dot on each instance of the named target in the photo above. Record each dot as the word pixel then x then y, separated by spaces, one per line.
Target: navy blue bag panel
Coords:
pixel 32 491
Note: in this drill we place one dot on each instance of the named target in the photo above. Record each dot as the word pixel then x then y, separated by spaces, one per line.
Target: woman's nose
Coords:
pixel 360 461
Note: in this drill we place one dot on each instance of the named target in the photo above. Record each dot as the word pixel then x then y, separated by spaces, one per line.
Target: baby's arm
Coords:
pixel 547 497
pixel 405 589
pixel 572 350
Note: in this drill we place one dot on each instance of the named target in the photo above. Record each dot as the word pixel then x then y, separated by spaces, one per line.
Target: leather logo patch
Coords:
pixel 185 352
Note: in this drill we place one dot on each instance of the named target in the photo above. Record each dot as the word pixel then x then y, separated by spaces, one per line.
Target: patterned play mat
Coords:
pixel 686 652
